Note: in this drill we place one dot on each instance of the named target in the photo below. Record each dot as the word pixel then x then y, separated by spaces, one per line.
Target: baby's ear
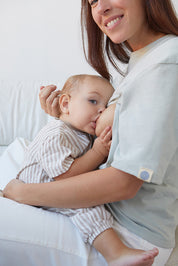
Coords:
pixel 64 103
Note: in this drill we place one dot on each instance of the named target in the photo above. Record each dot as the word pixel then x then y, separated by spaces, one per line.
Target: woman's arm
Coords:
pixel 86 190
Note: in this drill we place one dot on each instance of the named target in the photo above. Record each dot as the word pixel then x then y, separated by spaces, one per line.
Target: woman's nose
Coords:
pixel 103 6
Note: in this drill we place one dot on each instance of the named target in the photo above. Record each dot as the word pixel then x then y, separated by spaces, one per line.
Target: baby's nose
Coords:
pixel 101 109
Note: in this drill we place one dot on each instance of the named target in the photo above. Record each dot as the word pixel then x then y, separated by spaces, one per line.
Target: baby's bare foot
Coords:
pixel 136 258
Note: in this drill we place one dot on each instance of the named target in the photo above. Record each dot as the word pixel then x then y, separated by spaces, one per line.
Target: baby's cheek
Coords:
pixel 105 119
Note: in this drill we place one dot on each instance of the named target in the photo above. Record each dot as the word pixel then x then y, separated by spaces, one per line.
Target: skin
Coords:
pixel 106 119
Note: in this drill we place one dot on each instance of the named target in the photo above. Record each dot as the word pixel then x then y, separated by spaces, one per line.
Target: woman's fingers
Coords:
pixel 50 99
pixel 55 109
pixel 44 94
pixel 48 96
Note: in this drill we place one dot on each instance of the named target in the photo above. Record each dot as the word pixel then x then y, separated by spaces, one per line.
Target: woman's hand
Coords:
pixel 49 100
pixel 12 189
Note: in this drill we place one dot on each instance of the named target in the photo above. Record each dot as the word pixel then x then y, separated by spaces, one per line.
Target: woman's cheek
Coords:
pixel 105 119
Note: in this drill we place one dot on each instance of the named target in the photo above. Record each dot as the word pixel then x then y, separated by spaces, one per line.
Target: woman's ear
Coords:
pixel 64 103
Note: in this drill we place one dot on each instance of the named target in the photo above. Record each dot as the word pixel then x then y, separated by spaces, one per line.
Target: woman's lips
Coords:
pixel 113 21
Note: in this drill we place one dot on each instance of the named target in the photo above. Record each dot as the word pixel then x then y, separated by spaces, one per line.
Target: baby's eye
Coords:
pixel 93 101
pixel 92 2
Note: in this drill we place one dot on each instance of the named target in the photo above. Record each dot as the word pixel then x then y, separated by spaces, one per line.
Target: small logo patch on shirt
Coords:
pixel 145 174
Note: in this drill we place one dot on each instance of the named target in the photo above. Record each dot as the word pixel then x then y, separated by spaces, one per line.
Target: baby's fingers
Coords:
pixel 106 134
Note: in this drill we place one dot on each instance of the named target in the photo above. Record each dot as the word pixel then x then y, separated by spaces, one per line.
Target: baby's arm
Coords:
pixel 92 158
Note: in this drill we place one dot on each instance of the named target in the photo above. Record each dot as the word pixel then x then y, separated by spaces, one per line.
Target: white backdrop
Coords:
pixel 41 40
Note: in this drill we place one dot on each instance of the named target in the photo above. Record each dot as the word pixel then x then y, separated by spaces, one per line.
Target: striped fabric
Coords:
pixel 90 222
pixel 50 154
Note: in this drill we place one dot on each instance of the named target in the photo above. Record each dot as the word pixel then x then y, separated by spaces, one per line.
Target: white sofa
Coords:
pixel 31 236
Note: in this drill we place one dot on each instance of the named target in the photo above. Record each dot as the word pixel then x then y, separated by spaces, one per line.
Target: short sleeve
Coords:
pixel 55 157
pixel 145 126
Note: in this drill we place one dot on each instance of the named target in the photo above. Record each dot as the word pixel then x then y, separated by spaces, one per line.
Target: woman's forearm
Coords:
pixel 86 190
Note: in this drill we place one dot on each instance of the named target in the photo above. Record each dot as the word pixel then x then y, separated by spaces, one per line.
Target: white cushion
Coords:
pixel 31 236
pixel 20 111
pixel 11 160
pixel 2 149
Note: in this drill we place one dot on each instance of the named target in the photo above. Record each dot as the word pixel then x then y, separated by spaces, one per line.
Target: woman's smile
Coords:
pixel 122 20
pixel 112 22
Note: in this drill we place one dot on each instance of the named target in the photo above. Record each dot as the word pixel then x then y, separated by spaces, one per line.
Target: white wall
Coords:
pixel 175 2
pixel 40 39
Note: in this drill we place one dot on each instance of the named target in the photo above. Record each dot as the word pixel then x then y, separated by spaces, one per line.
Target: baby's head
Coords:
pixel 83 99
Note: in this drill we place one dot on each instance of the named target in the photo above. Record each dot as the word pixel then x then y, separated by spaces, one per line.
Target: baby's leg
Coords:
pixel 117 254
pixel 91 222
pixel 95 227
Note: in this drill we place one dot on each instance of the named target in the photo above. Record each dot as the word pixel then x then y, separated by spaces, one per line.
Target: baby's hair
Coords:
pixel 72 83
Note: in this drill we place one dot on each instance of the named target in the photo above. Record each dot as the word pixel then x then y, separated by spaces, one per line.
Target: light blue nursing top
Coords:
pixel 145 141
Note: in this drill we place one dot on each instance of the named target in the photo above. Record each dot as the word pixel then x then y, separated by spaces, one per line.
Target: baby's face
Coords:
pixel 88 102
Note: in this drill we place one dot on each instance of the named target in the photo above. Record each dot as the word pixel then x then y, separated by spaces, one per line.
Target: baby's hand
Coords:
pixel 49 100
pixel 103 142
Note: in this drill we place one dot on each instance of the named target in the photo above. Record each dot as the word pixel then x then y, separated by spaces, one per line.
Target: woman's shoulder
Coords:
pixel 167 50
pixel 162 51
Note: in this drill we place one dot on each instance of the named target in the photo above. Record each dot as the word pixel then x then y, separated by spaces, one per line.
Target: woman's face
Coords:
pixel 121 20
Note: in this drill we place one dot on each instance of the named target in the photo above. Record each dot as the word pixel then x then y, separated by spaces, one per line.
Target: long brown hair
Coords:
pixel 98 48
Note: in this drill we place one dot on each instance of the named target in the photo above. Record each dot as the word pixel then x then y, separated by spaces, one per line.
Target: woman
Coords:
pixel 139 179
